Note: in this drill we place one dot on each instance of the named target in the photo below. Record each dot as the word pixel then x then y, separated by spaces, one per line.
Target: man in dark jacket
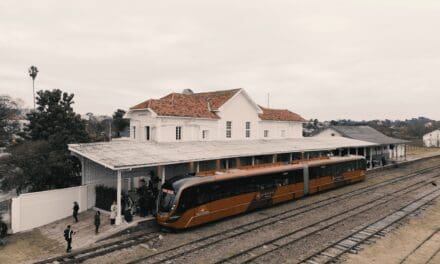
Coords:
pixel 68 235
pixel 75 211
pixel 97 221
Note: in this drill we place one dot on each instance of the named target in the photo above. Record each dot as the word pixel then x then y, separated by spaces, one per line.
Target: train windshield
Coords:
pixel 166 200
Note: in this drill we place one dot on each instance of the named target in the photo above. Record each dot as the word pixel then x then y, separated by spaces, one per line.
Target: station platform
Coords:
pixel 85 228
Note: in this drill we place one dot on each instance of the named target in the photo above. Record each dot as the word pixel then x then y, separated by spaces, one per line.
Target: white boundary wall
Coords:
pixel 31 210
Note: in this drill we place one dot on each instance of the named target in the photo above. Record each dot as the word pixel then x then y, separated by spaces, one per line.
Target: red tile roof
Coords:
pixel 199 105
pixel 205 105
pixel 279 115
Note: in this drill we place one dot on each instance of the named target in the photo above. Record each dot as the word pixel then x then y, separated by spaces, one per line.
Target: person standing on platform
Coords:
pixel 75 211
pixel 68 235
pixel 97 221
pixel 113 210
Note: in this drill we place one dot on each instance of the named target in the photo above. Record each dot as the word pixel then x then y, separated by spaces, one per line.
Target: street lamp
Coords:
pixel 33 71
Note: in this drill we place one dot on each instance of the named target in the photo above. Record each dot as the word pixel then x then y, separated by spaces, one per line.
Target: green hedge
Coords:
pixel 105 197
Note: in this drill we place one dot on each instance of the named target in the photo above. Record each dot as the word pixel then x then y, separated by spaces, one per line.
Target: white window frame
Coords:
pixel 266 133
pixel 248 129
pixel 205 134
pixel 147 133
pixel 178 133
pixel 228 129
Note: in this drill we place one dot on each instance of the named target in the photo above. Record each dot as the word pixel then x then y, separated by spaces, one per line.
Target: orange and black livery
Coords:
pixel 189 201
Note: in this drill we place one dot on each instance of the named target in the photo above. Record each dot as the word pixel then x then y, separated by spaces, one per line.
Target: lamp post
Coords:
pixel 33 71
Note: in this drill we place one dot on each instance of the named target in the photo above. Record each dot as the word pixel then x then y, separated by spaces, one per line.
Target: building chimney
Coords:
pixel 187 91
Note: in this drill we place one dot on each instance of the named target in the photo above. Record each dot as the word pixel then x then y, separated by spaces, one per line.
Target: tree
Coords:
pixel 9 115
pixel 55 120
pixel 119 122
pixel 43 161
pixel 98 128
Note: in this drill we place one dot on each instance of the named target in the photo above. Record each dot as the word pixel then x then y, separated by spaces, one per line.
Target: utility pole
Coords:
pixel 33 71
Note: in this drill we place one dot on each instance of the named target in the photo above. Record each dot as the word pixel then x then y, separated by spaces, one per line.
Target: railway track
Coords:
pixel 377 229
pixel 271 246
pixel 420 245
pixel 193 246
pixel 89 253
pixel 81 255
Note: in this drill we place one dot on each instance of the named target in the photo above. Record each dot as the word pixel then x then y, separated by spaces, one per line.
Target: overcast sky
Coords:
pixel 357 59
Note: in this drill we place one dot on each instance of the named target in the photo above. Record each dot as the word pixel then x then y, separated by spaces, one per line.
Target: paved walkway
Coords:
pixel 85 229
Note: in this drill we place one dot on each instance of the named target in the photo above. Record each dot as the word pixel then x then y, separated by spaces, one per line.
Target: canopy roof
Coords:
pixel 366 133
pixel 129 154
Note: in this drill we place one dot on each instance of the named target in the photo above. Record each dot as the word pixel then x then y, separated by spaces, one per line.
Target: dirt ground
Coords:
pixel 25 247
pixel 406 243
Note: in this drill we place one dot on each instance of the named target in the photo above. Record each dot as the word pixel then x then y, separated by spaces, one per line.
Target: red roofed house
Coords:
pixel 209 116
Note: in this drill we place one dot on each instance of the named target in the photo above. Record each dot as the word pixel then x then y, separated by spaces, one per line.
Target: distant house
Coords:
pixel 432 139
pixel 388 148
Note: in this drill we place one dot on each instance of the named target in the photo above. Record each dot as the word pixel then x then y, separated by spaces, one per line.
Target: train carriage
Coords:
pixel 189 201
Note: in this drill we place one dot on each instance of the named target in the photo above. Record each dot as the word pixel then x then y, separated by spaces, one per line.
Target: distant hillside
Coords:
pixel 410 129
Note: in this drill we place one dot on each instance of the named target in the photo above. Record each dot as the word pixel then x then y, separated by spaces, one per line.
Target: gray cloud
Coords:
pixel 326 59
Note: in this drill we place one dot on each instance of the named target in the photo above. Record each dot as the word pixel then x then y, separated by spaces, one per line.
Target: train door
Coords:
pixel 201 211
pixel 306 179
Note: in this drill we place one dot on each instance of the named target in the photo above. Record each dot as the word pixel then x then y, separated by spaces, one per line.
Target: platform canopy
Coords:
pixel 367 133
pixel 128 154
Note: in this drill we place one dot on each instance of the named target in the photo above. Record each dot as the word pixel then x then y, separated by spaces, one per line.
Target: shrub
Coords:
pixel 105 197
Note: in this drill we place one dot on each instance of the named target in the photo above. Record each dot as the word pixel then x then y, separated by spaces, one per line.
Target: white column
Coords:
pixel 404 151
pixel 290 157
pixel 253 161
pixel 357 152
pixel 227 164
pixel 197 167
pixel 83 171
pixel 371 157
pixel 118 198
pixel 340 152
pixel 365 152
pixel 162 174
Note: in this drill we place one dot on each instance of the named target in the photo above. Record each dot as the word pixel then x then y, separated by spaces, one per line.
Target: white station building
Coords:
pixel 209 132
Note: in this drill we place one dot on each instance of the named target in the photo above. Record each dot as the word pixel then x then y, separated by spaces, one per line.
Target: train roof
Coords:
pixel 185 181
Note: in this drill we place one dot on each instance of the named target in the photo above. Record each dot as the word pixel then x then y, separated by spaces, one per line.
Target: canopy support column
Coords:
pixel 118 199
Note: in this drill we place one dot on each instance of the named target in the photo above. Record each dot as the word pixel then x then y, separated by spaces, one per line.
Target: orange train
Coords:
pixel 194 200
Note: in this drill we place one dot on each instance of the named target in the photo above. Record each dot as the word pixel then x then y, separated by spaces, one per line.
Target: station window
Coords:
pixel 147 133
pixel 228 129
pixel 266 133
pixel 178 133
pixel 248 129
pixel 134 132
pixel 205 134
